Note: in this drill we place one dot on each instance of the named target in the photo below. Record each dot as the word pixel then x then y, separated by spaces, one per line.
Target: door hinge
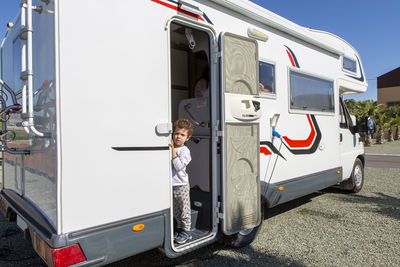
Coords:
pixel 218 215
pixel 217 55
pixel 219 133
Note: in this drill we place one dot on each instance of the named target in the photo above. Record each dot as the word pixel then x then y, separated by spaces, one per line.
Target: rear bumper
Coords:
pixel 101 244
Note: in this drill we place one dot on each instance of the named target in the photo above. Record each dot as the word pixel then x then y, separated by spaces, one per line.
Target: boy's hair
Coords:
pixel 184 124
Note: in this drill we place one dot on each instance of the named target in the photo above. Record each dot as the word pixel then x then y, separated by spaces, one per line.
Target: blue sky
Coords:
pixel 371 26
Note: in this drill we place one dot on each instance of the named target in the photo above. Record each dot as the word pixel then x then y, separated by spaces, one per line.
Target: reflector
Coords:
pixel 138 227
pixel 67 256
pixel 58 257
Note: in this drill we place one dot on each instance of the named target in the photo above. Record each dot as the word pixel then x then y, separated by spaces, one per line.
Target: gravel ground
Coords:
pixel 327 228
pixel 14 250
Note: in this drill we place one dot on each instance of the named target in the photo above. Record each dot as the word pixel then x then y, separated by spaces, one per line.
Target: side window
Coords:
pixel 267 78
pixel 343 119
pixel 311 93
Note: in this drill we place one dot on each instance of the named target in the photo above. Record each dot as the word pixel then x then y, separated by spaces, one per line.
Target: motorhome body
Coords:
pixel 97 85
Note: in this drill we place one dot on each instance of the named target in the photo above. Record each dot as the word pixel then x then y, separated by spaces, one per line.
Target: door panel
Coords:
pixel 239 68
pixel 242 190
pixel 240 118
pixel 348 141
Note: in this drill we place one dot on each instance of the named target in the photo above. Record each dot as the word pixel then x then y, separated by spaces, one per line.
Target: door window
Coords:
pixel 343 119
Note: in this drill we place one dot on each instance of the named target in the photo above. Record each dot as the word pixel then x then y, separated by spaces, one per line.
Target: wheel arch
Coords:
pixel 362 158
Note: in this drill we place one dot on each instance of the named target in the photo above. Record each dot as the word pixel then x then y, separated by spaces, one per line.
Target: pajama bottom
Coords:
pixel 182 214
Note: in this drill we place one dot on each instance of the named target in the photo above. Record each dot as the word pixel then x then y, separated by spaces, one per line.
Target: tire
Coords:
pixel 356 181
pixel 244 237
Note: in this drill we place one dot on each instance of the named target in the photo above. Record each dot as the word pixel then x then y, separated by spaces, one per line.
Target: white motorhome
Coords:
pixel 89 93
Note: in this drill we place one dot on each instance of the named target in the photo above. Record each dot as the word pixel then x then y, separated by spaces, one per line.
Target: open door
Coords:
pixel 240 115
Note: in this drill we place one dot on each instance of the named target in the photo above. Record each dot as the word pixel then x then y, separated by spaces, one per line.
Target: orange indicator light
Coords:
pixel 138 227
pixel 280 188
pixel 338 172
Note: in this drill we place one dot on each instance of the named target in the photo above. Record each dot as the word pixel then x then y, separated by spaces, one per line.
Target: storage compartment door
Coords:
pixel 240 143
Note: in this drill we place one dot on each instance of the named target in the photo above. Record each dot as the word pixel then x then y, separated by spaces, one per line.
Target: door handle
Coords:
pixel 164 128
pixel 245 109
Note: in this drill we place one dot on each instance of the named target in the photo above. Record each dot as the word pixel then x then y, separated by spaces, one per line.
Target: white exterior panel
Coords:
pixel 114 91
pixel 113 187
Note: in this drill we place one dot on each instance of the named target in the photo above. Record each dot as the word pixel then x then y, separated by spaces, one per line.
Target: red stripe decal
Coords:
pixel 302 143
pixel 291 58
pixel 265 151
pixel 178 9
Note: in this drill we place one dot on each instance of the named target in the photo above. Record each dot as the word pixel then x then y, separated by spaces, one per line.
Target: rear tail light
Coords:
pixel 67 256
pixel 59 257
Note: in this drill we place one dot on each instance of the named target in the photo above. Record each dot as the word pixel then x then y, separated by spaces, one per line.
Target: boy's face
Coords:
pixel 180 137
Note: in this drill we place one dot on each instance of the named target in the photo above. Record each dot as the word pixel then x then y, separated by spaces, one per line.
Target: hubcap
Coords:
pixel 358 175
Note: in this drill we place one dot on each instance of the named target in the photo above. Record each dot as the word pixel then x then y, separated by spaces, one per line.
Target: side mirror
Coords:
pixel 367 127
pixel 370 125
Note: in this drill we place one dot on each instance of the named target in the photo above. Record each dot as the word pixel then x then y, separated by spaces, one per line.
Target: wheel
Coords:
pixel 356 180
pixel 244 237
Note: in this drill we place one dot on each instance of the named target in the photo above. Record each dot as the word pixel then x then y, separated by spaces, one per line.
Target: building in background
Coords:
pixel 389 88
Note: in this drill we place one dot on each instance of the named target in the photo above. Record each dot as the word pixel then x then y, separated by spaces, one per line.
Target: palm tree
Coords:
pixel 390 123
pixel 397 133
pixel 381 120
pixel 392 112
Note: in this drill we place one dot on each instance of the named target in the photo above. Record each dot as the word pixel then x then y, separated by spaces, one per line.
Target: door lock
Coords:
pixel 256 105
